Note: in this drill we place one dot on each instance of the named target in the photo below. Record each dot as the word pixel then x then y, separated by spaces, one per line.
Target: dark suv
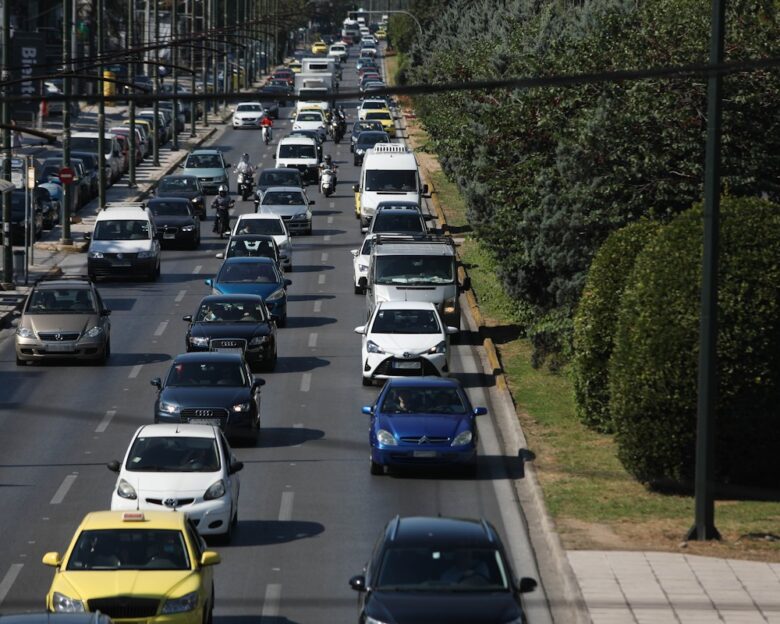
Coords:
pixel 440 570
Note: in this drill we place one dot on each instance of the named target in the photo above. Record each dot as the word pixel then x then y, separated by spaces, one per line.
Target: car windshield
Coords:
pixel 405 222
pixel 282 198
pixel 121 229
pixel 368 105
pixel 362 126
pixel 260 226
pixel 129 549
pixel 252 248
pixel 178 184
pixel 89 144
pixel 406 269
pixel 248 272
pixel 397 181
pixel 405 322
pixel 191 374
pixel 249 108
pixel 231 312
pixel 169 209
pixel 422 400
pixel 309 117
pixel 379 115
pixel 449 568
pixel 291 177
pixel 367 140
pixel 297 151
pixel 61 300
pixel 174 454
pixel 203 161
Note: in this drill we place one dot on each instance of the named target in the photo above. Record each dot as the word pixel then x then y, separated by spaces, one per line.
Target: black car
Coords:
pixel 363 126
pixel 437 570
pixel 186 186
pixel 273 94
pixel 18 217
pixel 367 140
pixel 210 389
pixel 252 246
pixel 282 176
pixel 90 161
pixel 234 323
pixel 49 212
pixel 399 217
pixel 80 188
pixel 175 221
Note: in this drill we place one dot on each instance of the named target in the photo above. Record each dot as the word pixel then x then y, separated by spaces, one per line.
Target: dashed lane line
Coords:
pixel 9 579
pixel 305 382
pixel 62 491
pixel 103 425
pixel 324 256
pixel 135 371
pixel 312 340
pixel 161 328
pixel 318 306
pixel 286 506
pixel 180 296
pixel 197 269
pixel 273 594
pixel 321 278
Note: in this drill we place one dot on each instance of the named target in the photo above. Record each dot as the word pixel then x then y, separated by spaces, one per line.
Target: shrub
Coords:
pixel 653 369
pixel 594 322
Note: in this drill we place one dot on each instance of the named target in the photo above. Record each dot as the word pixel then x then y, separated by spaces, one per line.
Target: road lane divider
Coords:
pixel 197 269
pixel 286 506
pixel 313 340
pixel 62 491
pixel 9 579
pixel 305 382
pixel 135 371
pixel 330 219
pixel 326 238
pixel 273 594
pixel 321 278
pixel 161 329
pixel 180 296
pixel 103 424
pixel 318 306
pixel 324 256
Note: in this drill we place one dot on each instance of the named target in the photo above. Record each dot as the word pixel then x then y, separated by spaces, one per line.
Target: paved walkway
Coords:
pixel 649 587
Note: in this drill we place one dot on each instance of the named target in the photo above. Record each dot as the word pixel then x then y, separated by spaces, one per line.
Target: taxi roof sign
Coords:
pixel 133 516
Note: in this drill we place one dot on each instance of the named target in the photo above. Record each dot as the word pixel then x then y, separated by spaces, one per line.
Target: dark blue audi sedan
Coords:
pixel 254 276
pixel 423 421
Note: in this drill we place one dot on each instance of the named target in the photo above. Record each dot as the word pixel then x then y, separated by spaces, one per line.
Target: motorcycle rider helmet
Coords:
pixel 245 158
pixel 222 190
pixel 328 160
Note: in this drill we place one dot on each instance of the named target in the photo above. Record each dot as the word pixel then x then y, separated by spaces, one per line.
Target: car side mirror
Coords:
pixel 480 411
pixel 187 317
pixel 287 282
pixel 113 465
pixel 87 236
pixel 356 188
pixel 236 466
pixel 452 330
pixel 358 583
pixel 527 585
pixel 367 409
pixel 221 255
pixel 361 329
pixel 429 217
pixel 53 559
pixel 311 202
pixel 466 284
pixel 425 189
pixel 227 165
pixel 105 312
pixel 209 282
pixel 209 558
pixel 257 382
pixel 354 252
pixel 156 382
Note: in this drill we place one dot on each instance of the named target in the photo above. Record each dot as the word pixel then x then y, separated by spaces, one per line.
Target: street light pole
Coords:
pixel 67 189
pixel 203 35
pixel 131 80
pixel 193 104
pixel 227 76
pixel 101 110
pixel 8 269
pixel 156 87
pixel 175 72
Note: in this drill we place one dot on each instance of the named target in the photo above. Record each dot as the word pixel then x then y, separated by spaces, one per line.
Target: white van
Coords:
pixel 414 268
pixel 88 142
pixel 299 152
pixel 318 65
pixel 389 172
pixel 124 243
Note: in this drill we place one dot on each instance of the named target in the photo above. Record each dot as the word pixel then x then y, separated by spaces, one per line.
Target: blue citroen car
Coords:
pixel 423 421
pixel 254 276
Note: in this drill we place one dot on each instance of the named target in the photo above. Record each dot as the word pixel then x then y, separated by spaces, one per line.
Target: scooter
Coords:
pixel 222 221
pixel 245 185
pixel 267 134
pixel 327 182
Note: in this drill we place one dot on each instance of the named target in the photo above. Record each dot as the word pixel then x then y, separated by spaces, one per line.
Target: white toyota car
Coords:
pixel 181 467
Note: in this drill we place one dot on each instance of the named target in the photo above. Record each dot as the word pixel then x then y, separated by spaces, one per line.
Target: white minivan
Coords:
pixel 299 152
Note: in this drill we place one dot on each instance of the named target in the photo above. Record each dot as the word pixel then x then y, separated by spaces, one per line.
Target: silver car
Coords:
pixel 64 318
pixel 291 204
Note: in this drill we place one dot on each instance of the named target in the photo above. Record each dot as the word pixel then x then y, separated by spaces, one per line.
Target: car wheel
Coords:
pixel 282 322
pixel 359 290
pixel 20 362
pixel 367 381
pixel 270 365
pixel 376 469
pixel 106 352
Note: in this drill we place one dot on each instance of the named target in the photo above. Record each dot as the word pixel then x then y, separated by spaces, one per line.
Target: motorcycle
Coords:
pixel 267 134
pixel 327 182
pixel 222 221
pixel 245 185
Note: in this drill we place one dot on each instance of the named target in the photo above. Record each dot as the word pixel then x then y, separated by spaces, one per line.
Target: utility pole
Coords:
pixel 101 110
pixel 131 80
pixel 175 62
pixel 156 87
pixel 227 76
pixel 267 35
pixel 67 189
pixel 193 103
pixel 147 37
pixel 8 269
pixel 213 42
pixel 204 38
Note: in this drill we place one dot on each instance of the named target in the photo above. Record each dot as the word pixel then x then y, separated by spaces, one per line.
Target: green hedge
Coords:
pixel 653 369
pixel 594 322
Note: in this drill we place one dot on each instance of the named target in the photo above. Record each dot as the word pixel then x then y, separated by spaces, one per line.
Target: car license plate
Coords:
pixel 403 364
pixel 59 348
pixel 424 454
pixel 231 350
pixel 204 421
pixel 168 235
pixel 121 265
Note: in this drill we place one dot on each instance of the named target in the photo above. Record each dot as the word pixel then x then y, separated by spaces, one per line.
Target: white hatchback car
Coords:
pixel 248 115
pixel 271 225
pixel 181 467
pixel 360 259
pixel 404 339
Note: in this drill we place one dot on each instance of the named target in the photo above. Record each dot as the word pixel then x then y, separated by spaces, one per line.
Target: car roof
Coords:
pixel 168 200
pixel 179 176
pixel 401 248
pixel 209 356
pixel 168 430
pixel 284 189
pixel 252 103
pixel 298 139
pixel 257 215
pixel 406 305
pixel 114 520
pixel 251 237
pixel 77 283
pixel 431 531
pixel 249 260
pixel 290 170
pixel 398 205
pixel 205 151
pixel 230 298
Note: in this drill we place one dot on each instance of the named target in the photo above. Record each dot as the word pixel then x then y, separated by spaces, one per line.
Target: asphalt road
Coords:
pixel 309 511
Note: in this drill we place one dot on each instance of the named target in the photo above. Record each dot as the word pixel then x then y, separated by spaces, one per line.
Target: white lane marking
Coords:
pixel 273 594
pixel 62 491
pixel 326 238
pixel 105 422
pixel 318 305
pixel 332 204
pixel 161 328
pixel 286 507
pixel 324 256
pixel 134 371
pixel 180 296
pixel 197 269
pixel 330 219
pixel 312 340
pixel 321 278
pixel 305 382
pixel 8 580
pixel 297 426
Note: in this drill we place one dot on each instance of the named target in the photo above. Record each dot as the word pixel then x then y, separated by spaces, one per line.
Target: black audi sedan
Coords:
pixel 175 222
pixel 211 389
pixel 437 570
pixel 186 186
pixel 234 324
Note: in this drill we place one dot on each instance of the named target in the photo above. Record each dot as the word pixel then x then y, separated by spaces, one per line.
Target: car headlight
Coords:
pixel 65 604
pixel 94 332
pixel 96 255
pixel 125 490
pixel 258 340
pixel 464 437
pixel 170 408
pixel 187 602
pixel 439 348
pixel 276 295
pixel 296 126
pixel 199 341
pixel 196 200
pixel 216 490
pixel 370 620
pixel 188 228
pixel 386 438
pixel 373 347
pixel 241 407
pixel 24 332
pixel 449 305
pixel 146 254
pixel 363 268
pixel 300 215
pixel 360 151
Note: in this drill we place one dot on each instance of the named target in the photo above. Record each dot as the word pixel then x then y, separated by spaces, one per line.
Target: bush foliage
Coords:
pixel 653 369
pixel 596 317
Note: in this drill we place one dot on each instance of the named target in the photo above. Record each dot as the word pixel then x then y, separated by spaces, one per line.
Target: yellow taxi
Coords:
pixel 381 34
pixel 141 567
pixel 384 117
pixel 319 47
pixel 296 67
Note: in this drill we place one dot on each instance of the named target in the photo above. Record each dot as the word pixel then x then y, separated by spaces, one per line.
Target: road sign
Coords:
pixel 66 175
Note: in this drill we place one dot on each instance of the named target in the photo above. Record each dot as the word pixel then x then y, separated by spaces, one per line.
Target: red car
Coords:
pixel 284 74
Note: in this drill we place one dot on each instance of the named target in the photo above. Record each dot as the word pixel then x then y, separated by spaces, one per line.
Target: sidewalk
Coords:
pixel 626 587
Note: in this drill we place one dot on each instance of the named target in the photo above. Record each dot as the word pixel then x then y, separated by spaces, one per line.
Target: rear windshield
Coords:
pixel 121 229
pixel 88 144
pixel 297 151
pixel 169 209
pixel 282 198
pixel 280 178
pixel 204 161
pixel 260 226
pixel 388 221
pixel 398 181
pixel 178 184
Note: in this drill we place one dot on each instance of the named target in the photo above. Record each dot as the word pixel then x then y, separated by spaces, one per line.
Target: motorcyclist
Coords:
pixel 267 124
pixel 222 204
pixel 327 163
pixel 245 166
